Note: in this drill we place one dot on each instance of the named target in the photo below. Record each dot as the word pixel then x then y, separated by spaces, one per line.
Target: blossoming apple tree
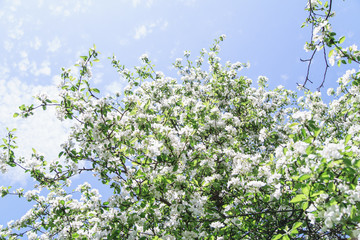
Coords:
pixel 205 156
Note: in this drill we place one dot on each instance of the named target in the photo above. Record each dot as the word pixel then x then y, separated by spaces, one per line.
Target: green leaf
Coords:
pixel 357 164
pixel 277 237
pixel 294 124
pixel 95 90
pixel 316 130
pixel 305 205
pixel 75 235
pixel 306 190
pixel 309 140
pixel 304 177
pixel 353 212
pixel 347 138
pixel 342 39
pixel 298 198
pixel 317 193
pixel 295 178
pixel 297 225
pixel 303 132
pixel 4 193
pixel 331 52
pixel 15 115
pixel 309 150
pixel 331 187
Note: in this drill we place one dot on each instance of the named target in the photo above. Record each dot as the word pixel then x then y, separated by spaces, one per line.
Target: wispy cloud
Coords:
pixel 145 29
pixel 115 87
pixel 69 7
pixel 54 45
pixel 188 2
pixel 16 31
pixel 13 21
pixel 44 69
pixel 36 43
pixel 4 71
pixel 26 66
pixel 24 63
pixel 40 3
pixel 8 45
pixel 147 3
pixel 284 77
pixel 142 31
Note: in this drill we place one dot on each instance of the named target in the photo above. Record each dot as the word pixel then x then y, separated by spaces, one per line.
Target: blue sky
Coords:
pixel 39 37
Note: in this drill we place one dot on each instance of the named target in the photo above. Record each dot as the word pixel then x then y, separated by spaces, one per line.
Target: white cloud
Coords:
pixel 4 71
pixel 173 53
pixel 69 7
pixel 350 34
pixel 54 45
pixel 43 70
pixel 136 2
pixel 148 3
pixel 25 66
pixel 40 3
pixel 43 131
pixel 97 78
pixel 8 45
pixel 36 43
pixel 60 10
pixel 284 77
pixel 15 176
pixel 115 87
pixel 14 23
pixel 144 30
pixel 56 80
pixel 15 5
pixel 164 25
pixel 123 42
pixel 16 32
pixel 24 63
pixel 188 2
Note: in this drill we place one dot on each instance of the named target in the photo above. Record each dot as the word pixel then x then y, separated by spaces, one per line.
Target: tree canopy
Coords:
pixel 204 156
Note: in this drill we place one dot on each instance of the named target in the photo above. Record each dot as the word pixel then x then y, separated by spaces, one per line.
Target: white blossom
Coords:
pixel 144 58
pixel 300 147
pixel 217 225
pixel 331 151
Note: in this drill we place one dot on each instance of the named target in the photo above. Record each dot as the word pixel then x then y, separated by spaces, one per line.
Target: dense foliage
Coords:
pixel 206 156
